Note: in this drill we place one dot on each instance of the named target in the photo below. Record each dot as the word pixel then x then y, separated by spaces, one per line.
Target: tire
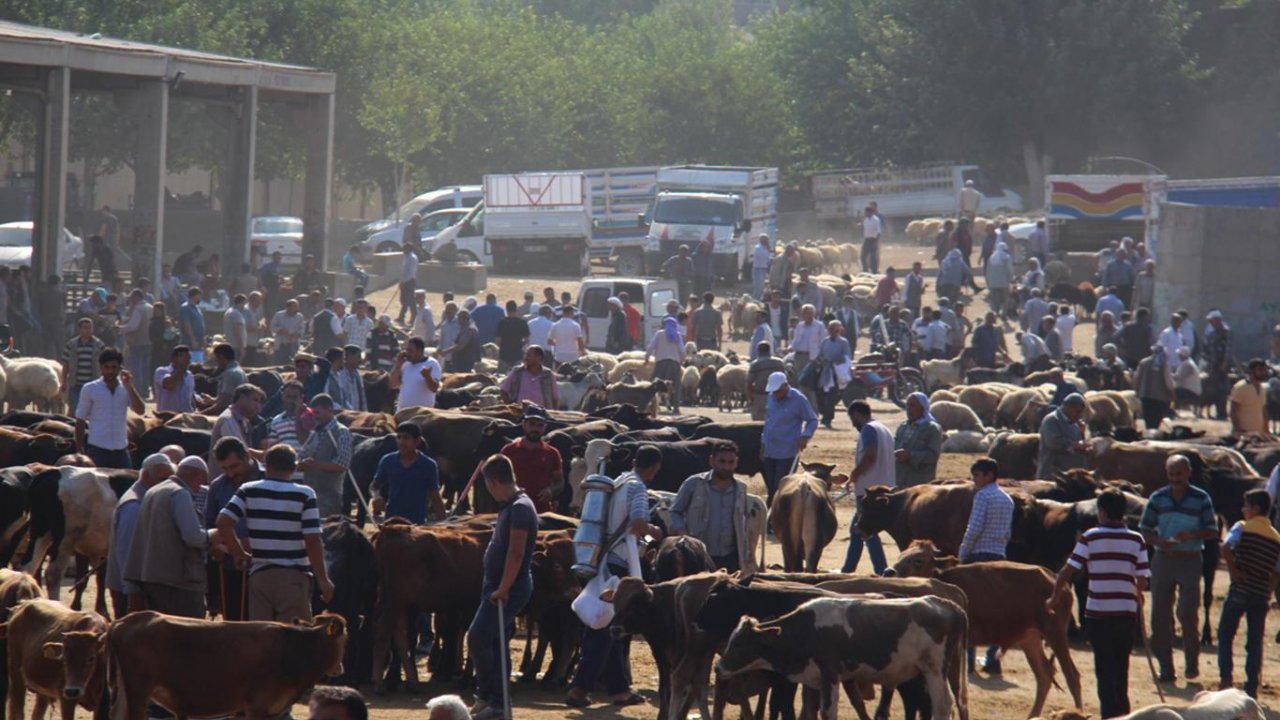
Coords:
pixel 630 263
pixel 387 246
pixel 908 381
pixel 466 256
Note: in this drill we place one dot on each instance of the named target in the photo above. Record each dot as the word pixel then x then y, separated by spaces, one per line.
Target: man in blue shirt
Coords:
pixel 486 318
pixel 226 583
pixel 406 480
pixel 789 422
pixel 1110 303
pixel 988 342
pixel 192 319
pixel 1178 519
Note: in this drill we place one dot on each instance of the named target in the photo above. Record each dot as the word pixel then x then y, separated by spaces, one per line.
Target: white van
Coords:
pixel 454 196
pixel 647 295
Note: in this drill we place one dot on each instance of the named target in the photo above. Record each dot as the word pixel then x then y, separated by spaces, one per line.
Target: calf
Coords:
pixel 555 586
pixel 828 640
pixel 681 557
pixel 56 653
pixel 21 448
pixel 348 559
pixel 15 588
pixel 802 516
pixel 203 668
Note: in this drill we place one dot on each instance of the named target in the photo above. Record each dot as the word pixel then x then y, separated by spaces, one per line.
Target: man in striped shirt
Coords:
pixel 284 532
pixel 987 534
pixel 1115 559
pixel 1252 552
pixel 80 361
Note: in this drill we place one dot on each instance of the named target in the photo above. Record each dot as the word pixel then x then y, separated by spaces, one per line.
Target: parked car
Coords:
pixel 388 240
pixel 276 233
pixel 453 196
pixel 15 246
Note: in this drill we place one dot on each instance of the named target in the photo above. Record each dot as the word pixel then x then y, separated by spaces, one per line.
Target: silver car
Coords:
pixel 276 233
pixel 388 240
pixel 15 246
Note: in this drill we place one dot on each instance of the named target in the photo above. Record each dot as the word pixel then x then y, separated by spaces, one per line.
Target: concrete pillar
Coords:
pixel 318 186
pixel 149 106
pixel 51 203
pixel 237 207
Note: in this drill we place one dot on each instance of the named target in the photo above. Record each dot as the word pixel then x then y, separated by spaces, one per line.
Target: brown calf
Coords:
pixel 56 653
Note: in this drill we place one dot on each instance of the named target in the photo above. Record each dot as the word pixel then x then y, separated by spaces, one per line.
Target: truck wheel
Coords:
pixel 467 256
pixel 387 246
pixel 630 264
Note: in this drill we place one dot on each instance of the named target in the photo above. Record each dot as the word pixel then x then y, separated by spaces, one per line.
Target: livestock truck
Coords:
pixel 694 203
pixel 537 223
pixel 905 193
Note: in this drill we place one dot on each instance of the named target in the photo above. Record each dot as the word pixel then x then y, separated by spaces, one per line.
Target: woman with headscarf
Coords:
pixel 1105 332
pixel 617 338
pixel 1153 382
pixel 953 273
pixel 667 348
pixel 917 444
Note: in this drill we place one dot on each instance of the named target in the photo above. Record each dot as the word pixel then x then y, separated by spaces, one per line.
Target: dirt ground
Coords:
pixel 1004 698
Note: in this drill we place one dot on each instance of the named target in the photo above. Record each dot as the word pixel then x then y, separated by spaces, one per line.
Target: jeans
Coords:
pixel 137 359
pixel 485 642
pixel 361 277
pixel 406 301
pixel 874 547
pixel 602 655
pixel 1183 573
pixel 1112 641
pixel 758 276
pixel 1254 609
pixel 103 458
pixel 773 471
pixel 1153 411
pixel 869 257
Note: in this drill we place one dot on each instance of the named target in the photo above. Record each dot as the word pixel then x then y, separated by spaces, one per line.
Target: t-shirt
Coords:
pixel 413 387
pixel 566 333
pixel 235 328
pixel 706 321
pixel 407 487
pixel 231 378
pixel 280 514
pixel 512 332
pixel 1114 557
pixel 517 513
pixel 1252 402
pixel 535 464
pixel 539 329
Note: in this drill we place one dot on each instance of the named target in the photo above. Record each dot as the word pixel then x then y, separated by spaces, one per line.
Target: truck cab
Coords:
pixel 648 295
pixel 468 235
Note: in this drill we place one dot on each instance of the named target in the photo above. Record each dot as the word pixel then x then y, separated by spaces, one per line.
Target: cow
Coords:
pixel 887 641
pixel 204 668
pixel 15 588
pixel 349 562
pixel 1006 608
pixel 1018 454
pixel 802 516
pixel 747 435
pixel 28 418
pixel 56 653
pixel 193 442
pixel 679 460
pixel 633 418
pixel 555 586
pixel 15 483
pixel 452 437
pixel 681 556
pixel 377 423
pixel 935 511
pixel 18 447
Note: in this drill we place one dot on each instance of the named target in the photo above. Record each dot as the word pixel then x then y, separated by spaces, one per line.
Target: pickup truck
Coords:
pixel 905 192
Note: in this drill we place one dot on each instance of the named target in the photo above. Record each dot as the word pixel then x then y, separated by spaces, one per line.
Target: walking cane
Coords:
pixel 502 663
pixel 1146 646
pixel 244 591
pixel 222 589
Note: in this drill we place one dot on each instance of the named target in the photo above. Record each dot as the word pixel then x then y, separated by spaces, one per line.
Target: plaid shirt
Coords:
pixel 341 436
pixel 900 335
pixel 1217 350
pixel 990 523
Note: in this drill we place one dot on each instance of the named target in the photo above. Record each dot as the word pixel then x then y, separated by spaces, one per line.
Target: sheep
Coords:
pixel 830 256
pixel 709 358
pixel 982 400
pixel 915 230
pixel 1012 405
pixel 637 368
pixel 631 355
pixel 811 258
pixel 954 416
pixel 33 381
pixel 489 351
pixel 943 395
pixel 732 380
pixel 966 441
pixel 1106 413
pixel 604 360
pixel 848 256
pixel 689 384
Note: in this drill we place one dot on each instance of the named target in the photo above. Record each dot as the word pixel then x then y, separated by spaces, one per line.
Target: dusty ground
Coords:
pixel 1004 698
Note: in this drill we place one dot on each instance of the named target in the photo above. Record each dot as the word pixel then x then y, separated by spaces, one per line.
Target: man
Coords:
pixel 175 386
pixel 191 321
pixel 287 326
pixel 986 535
pixel 886 290
pixel 779 318
pixel 102 413
pixel 805 340
pixel 999 278
pixel 309 278
pixel 1115 560
pixel 952 274
pixel 761 256
pixel 80 360
pixel 549 297
pixel 679 267
pixel 230 376
pixel 1109 302
pixel 184 266
pixel 1052 338
pixel 382 345
pixel 326 327
pixel 407 482
pixel 565 338
pixel 708 325
pixel 1218 359
pixel 851 325
pixel 763 334
pixel 989 242
pixel 987 343
pixel 424 324
pixel 704 267
pixel 1144 286
pixel 527 308
pixel 603 657
pixel 873 465
pixel 408 281
pixel 325 457
pixel 486 318
pixel 531 383
pixel 789 424
pixel 537 464
pixel 226 582
pixel 284 530
pixel 712 507
pixel 869 258
pixel 416 376
pixel 758 372
pixel 937 334
pixel 167 553
pixel 1038 243
pixel 512 334
pixel 917 444
pixel 411 235
pixel 1119 274
pixel 635 321
pixel 135 329
pixel 466 350
pixel 126 596
pixel 235 326
pixel 1153 382
pixel 1170 339
pixel 357 324
pixel 913 287
pixel 1249 401
pixel 1178 519
pixel 346 384
pixel 237 420
pixel 1135 338
pixel 835 354
pixel 1062 445
pixel 1034 311
pixel 968 201
pixel 1252 553
pixel 808 293
pixel 507 581
pixel 340 703
pixel 292 425
pixel 942 241
pixel 540 327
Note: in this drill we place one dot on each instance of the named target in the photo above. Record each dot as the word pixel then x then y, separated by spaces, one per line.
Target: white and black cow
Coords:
pixel 827 641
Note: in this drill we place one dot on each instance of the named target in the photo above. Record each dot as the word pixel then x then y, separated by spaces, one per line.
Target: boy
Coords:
pixel 1252 552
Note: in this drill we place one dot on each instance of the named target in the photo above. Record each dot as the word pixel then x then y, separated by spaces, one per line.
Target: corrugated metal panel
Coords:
pixel 534 191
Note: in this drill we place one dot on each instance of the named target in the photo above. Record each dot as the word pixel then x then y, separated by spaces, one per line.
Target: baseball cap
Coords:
pixel 534 412
pixel 776 380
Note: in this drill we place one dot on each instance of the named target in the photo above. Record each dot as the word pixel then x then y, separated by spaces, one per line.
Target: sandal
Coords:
pixel 577 702
pixel 631 699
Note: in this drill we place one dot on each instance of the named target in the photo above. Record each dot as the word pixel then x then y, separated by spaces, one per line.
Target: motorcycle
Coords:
pixel 882 375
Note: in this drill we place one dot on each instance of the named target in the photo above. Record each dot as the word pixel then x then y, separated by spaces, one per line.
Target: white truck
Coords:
pixel 537 222
pixel 701 202
pixel 905 192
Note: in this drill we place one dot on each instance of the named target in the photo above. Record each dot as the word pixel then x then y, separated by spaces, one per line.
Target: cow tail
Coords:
pixel 1053 674
pixel 960 658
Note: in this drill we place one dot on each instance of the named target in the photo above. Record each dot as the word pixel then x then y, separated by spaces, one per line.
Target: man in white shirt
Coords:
pixel 760 258
pixel 357 324
pixel 336 323
pixel 1038 243
pixel 806 337
pixel 1032 346
pixel 565 338
pixel 540 327
pixel 103 412
pixel 416 376
pixel 969 201
pixel 1171 339
pixel 1066 326
pixel 287 326
pixel 936 335
pixel 424 321
pixel 871 229
pixel 873 465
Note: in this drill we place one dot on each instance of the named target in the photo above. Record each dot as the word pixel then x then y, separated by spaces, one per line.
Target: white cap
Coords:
pixel 615 301
pixel 156 459
pixel 191 461
pixel 776 380
pixel 1213 315
pixel 340 301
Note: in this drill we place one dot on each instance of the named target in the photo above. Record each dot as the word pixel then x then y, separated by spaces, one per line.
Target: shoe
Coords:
pixel 992 667
pixel 628 700
pixel 577 702
pixel 489 713
pixel 1167 678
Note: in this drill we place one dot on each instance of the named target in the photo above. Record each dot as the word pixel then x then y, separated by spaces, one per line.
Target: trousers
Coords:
pixel 485 639
pixel 1254 609
pixel 875 548
pixel 758 277
pixel 1170 572
pixel 282 594
pixel 105 458
pixel 869 257
pixel 603 657
pixel 1112 641
pixel 773 471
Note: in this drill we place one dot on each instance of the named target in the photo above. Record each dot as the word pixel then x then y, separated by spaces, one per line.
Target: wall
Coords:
pixel 1224 258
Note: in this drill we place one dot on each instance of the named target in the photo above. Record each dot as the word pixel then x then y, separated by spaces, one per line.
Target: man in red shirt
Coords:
pixel 538 467
pixel 634 320
pixel 886 288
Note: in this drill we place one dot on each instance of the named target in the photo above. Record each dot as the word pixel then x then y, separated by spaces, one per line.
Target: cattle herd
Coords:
pixel 773 631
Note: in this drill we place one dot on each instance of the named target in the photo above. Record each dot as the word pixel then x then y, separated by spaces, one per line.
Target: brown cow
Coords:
pixel 1006 608
pixel 453 381
pixel 435 569
pixel 204 668
pixel 378 423
pixel 18 447
pixel 15 587
pixel 802 516
pixel 555 586
pixel 56 653
pixel 937 511
pixel 1018 454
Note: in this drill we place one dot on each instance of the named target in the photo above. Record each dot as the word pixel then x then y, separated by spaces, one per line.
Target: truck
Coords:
pixel 648 295
pixel 618 196
pixel 537 222
pixel 703 202
pixel 905 192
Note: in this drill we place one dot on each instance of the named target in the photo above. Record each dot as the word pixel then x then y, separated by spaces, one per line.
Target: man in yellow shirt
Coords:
pixel 1248 409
